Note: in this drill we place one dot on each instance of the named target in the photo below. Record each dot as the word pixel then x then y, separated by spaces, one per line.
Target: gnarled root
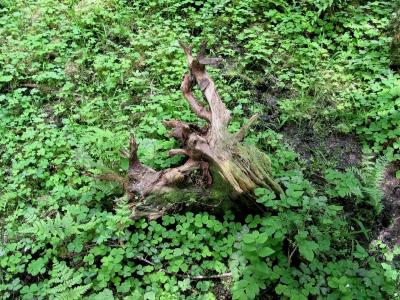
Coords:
pixel 212 152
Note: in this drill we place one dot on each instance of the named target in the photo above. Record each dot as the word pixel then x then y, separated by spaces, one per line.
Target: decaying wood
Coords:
pixel 211 151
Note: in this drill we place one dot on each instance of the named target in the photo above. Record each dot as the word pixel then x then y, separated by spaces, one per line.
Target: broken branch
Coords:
pixel 195 106
pixel 241 134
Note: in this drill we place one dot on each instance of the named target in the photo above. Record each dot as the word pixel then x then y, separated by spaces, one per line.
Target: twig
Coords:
pixel 198 277
pixel 45 88
pixel 39 87
pixel 291 255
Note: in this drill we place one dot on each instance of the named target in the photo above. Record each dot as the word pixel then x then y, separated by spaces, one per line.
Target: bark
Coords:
pixel 216 160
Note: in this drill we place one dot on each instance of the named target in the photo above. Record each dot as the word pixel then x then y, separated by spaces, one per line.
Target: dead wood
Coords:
pixel 211 153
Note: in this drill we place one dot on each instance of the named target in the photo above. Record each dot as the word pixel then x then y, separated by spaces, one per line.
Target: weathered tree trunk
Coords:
pixel 216 159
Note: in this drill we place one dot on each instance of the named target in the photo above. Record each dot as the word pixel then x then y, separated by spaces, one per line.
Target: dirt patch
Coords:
pixel 51 117
pixel 222 291
pixel 343 150
pixel 391 189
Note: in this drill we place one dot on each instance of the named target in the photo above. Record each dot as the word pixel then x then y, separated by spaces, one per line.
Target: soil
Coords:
pixel 344 150
pixel 222 291
pixel 51 117
pixel 391 189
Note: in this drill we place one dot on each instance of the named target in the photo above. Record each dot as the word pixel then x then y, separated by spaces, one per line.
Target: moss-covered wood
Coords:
pixel 212 152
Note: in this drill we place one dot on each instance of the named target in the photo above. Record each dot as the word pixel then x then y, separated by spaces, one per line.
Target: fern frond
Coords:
pixel 75 293
pixel 371 175
pixel 65 282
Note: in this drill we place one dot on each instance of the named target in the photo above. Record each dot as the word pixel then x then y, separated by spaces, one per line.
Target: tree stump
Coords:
pixel 216 160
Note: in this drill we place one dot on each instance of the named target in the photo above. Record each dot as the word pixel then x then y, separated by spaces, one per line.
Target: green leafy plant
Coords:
pixel 78 78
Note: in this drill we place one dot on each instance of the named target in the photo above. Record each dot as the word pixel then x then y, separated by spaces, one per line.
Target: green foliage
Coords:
pixel 380 124
pixel 362 186
pixel 302 251
pixel 78 77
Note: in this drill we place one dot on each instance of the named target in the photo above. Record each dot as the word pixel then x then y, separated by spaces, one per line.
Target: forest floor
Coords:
pixel 79 78
pixel 391 189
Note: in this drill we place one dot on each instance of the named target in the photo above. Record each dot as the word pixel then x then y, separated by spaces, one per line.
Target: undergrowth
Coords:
pixel 77 78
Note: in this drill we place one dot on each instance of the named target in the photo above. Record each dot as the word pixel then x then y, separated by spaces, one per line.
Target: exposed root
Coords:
pixel 211 152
